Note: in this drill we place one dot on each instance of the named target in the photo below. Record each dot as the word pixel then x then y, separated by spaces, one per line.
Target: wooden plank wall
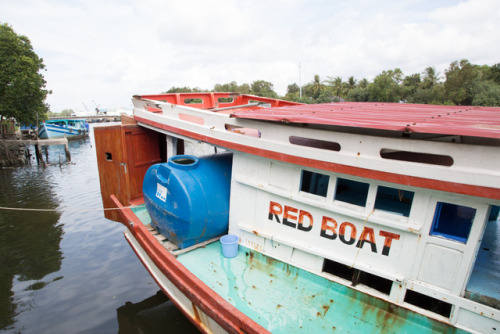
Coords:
pixel 124 154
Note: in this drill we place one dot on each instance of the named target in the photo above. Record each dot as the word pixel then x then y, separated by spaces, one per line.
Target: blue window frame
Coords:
pixel 453 221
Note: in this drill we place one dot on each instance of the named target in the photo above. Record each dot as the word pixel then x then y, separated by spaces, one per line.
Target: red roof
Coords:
pixel 448 120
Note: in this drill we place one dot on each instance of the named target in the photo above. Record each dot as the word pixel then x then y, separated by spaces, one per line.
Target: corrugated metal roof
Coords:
pixel 436 119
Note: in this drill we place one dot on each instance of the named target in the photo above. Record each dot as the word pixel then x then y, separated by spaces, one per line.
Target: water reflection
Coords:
pixel 156 314
pixel 66 271
pixel 29 243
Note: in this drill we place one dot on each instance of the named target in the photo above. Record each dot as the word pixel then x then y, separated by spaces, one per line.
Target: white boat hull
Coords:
pixel 48 131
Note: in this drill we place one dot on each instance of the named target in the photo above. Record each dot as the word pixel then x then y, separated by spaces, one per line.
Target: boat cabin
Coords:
pixel 407 214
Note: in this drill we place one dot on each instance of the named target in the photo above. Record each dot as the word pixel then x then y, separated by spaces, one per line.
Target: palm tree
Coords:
pixel 430 77
pixel 350 84
pixel 363 83
pixel 338 86
pixel 317 86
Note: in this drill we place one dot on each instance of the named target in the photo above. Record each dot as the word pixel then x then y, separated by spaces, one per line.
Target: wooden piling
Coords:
pixel 39 156
pixel 66 150
pixel 39 143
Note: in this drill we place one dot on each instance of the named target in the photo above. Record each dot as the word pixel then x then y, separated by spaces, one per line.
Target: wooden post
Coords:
pixel 66 150
pixel 27 155
pixel 39 156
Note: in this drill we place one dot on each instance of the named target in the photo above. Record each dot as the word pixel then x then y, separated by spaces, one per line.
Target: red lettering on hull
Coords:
pixel 347 231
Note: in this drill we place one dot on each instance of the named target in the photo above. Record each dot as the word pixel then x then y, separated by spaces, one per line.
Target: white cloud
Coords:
pixel 107 51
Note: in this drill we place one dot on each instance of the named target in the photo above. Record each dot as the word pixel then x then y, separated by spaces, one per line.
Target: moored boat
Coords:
pixel 350 216
pixel 59 128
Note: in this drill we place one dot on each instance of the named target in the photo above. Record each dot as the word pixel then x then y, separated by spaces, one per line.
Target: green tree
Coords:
pixel 325 97
pixel 410 84
pixel 292 92
pixel 350 85
pixel 386 86
pixel 337 86
pixel 358 94
pixel 66 112
pixel 430 77
pixel 263 88
pixel 495 73
pixel 22 86
pixel 363 83
pixel 316 86
pixel 486 93
pixel 184 89
pixel 460 77
pixel 233 87
pixel 293 89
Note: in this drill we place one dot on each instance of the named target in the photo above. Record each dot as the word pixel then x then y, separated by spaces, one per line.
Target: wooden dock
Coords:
pixel 39 143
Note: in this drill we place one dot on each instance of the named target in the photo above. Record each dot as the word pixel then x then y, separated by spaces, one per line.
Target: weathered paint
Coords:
pixel 412 260
pixel 285 299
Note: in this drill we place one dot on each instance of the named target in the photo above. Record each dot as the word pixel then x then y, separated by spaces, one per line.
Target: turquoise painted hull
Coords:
pixel 51 130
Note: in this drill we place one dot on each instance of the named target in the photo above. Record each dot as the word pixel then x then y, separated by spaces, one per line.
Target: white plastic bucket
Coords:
pixel 229 244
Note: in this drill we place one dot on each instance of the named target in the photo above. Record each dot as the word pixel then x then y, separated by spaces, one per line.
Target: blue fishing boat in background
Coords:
pixel 58 128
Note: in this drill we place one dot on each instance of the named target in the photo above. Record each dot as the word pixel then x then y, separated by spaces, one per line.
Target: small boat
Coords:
pixel 59 128
pixel 345 217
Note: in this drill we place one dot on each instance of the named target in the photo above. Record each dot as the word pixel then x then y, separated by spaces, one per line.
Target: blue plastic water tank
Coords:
pixel 188 197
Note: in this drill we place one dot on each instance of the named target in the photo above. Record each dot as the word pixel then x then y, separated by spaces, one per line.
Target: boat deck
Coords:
pixel 283 298
pixel 286 299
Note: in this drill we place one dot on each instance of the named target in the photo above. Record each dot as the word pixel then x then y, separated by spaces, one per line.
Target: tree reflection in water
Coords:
pixel 29 241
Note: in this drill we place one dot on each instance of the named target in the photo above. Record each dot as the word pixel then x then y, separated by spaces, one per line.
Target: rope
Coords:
pixel 65 210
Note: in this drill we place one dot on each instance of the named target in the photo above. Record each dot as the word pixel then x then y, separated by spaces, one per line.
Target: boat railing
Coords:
pixel 215 101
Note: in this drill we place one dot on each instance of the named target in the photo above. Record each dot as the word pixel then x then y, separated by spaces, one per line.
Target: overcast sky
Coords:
pixel 107 51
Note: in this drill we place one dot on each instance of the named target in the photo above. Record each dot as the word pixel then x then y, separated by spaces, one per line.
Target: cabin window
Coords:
pixel 314 183
pixel 394 200
pixel 315 143
pixel 453 221
pixel 352 192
